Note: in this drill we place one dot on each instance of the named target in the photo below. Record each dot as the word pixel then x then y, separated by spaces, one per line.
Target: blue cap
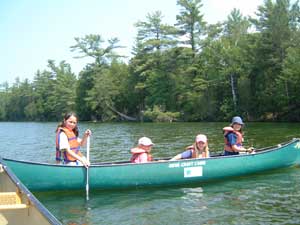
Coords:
pixel 238 120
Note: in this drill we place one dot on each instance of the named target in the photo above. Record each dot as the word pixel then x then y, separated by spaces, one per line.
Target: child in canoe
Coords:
pixel 233 137
pixel 141 153
pixel 68 143
pixel 198 150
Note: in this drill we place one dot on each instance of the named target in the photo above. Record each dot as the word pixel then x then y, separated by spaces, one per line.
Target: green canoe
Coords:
pixel 119 175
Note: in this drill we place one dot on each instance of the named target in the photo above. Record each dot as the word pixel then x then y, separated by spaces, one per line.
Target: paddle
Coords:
pixel 87 168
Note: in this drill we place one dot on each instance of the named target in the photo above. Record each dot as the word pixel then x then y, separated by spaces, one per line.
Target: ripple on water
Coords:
pixel 268 198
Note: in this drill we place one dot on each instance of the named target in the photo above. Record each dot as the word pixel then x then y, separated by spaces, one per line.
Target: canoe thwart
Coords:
pixel 15 206
pixel 11 200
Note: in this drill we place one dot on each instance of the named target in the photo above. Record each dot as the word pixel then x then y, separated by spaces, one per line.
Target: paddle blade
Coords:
pixel 87 184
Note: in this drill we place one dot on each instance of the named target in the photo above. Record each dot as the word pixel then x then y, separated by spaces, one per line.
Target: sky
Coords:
pixel 33 31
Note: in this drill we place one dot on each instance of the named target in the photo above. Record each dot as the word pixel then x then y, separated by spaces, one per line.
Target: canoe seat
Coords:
pixel 11 200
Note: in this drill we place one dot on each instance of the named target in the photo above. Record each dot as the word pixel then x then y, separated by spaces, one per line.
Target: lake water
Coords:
pixel 268 198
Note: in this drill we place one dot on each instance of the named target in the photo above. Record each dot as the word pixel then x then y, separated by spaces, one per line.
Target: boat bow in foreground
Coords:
pixel 18 205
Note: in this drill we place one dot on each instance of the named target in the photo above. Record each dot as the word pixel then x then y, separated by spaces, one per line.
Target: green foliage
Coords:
pixel 4 95
pixel 190 22
pixel 277 28
pixel 158 115
pixel 92 46
pixel 154 35
pixel 84 83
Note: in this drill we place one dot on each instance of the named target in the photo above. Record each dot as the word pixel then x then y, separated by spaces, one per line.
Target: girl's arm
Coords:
pixel 82 159
pixel 82 141
pixel 232 140
pixel 65 146
pixel 184 155
pixel 241 149
pixel 176 157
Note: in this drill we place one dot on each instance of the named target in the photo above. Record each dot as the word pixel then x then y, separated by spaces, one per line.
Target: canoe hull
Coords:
pixel 41 177
pixel 18 205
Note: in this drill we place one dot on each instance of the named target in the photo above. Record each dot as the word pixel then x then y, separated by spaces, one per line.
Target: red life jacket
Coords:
pixel 239 140
pixel 74 145
pixel 136 152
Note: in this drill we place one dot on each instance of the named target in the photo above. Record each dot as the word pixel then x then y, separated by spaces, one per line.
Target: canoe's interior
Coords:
pixel 216 155
pixel 15 206
pixel 155 160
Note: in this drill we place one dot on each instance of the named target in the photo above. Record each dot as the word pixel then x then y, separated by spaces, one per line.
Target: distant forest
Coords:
pixel 189 71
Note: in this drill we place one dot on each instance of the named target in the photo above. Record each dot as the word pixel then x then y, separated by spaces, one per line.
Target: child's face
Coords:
pixel 147 147
pixel 237 126
pixel 71 122
pixel 201 145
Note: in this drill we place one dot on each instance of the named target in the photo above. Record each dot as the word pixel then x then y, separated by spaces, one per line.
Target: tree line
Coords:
pixel 189 71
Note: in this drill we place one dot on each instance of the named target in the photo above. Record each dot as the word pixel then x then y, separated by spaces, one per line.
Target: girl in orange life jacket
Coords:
pixel 198 150
pixel 233 137
pixel 141 153
pixel 68 143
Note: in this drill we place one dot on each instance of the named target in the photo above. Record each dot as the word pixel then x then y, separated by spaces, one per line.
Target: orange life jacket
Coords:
pixel 137 151
pixel 194 152
pixel 74 145
pixel 239 140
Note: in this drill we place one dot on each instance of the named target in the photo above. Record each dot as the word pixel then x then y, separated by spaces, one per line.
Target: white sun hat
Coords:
pixel 145 141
